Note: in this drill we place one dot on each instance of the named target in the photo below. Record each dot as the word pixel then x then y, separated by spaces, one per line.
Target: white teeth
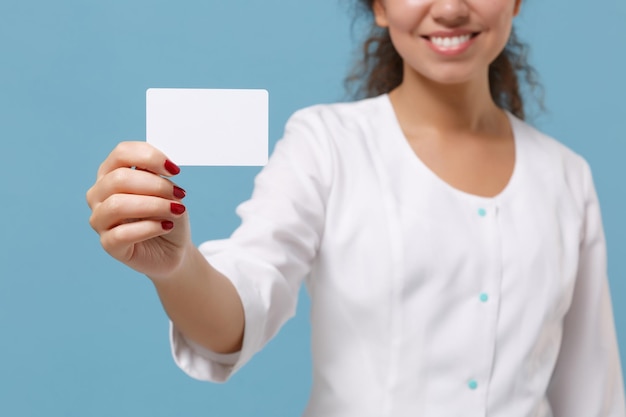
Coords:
pixel 450 42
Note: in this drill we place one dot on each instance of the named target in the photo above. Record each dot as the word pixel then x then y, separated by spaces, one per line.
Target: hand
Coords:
pixel 137 210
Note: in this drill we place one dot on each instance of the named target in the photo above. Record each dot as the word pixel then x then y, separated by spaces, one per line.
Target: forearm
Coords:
pixel 203 304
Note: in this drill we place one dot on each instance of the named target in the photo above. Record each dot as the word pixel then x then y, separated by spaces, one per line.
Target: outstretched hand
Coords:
pixel 137 210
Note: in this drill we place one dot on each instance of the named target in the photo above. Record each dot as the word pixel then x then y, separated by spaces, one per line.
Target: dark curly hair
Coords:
pixel 380 68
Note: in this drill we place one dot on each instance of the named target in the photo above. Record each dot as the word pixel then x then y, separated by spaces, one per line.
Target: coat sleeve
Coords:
pixel 273 249
pixel 587 381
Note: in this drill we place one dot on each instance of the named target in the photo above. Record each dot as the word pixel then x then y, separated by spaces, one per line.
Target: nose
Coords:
pixel 450 12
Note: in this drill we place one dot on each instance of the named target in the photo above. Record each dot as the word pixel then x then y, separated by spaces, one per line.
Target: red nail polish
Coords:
pixel 179 192
pixel 167 225
pixel 177 208
pixel 171 167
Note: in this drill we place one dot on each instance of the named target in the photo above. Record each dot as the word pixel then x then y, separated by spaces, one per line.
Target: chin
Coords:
pixel 448 76
pixel 450 79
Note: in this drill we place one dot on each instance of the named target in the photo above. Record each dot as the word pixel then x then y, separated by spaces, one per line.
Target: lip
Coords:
pixel 458 50
pixel 450 33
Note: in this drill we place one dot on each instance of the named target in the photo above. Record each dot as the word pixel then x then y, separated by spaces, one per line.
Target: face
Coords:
pixel 447 41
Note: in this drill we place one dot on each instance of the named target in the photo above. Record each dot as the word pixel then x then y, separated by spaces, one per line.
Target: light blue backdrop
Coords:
pixel 81 335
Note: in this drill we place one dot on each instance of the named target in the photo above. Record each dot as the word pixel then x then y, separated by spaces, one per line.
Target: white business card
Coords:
pixel 209 126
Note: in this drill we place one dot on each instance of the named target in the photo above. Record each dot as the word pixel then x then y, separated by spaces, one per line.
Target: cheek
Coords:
pixel 404 15
pixel 497 17
pixel 503 23
pixel 496 13
pixel 415 3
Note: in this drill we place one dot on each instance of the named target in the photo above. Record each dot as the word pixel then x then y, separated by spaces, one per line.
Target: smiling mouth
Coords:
pixel 451 42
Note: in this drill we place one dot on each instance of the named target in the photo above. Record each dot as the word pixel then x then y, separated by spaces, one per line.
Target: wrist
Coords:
pixel 188 263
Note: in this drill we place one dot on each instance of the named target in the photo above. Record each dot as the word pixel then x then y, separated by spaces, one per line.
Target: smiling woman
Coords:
pixel 382 67
pixel 454 255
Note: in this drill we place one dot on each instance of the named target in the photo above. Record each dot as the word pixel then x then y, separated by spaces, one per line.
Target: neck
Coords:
pixel 466 107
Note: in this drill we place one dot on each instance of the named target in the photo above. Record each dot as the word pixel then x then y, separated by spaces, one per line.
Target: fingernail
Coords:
pixel 177 208
pixel 171 167
pixel 167 225
pixel 179 192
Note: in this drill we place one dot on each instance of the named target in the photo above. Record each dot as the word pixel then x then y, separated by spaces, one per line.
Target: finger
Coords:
pixel 124 208
pixel 132 181
pixel 120 241
pixel 141 155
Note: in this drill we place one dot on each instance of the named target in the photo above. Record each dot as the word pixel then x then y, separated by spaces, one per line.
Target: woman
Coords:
pixel 454 255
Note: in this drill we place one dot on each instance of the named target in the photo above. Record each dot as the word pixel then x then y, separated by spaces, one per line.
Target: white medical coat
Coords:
pixel 425 300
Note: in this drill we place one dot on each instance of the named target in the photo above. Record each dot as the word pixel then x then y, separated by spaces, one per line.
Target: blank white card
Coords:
pixel 209 126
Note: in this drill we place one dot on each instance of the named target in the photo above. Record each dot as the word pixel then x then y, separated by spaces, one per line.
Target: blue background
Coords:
pixel 81 335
